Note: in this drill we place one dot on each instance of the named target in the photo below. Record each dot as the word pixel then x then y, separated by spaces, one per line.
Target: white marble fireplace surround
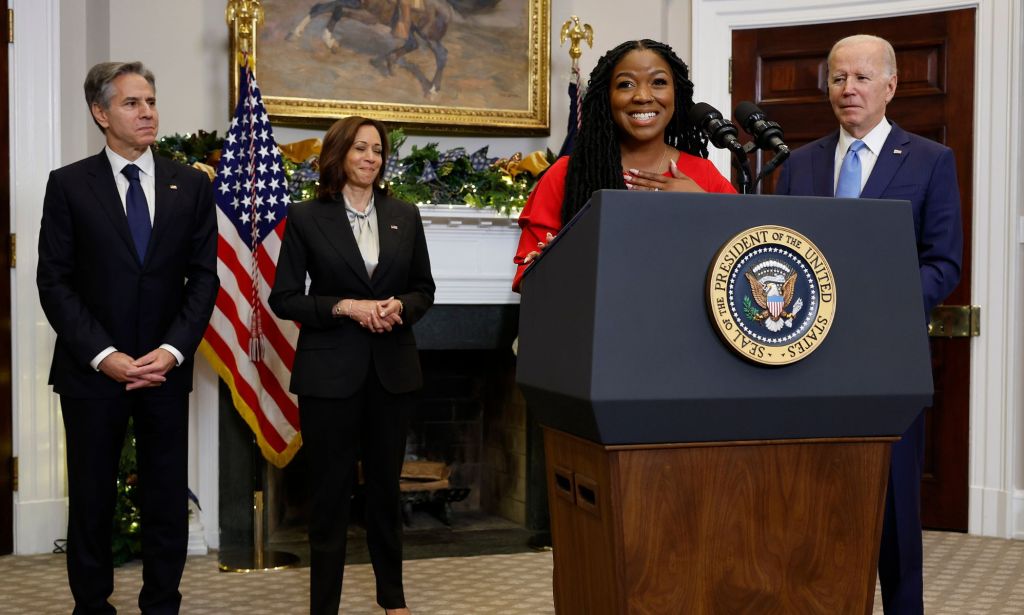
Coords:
pixel 471 254
pixel 471 258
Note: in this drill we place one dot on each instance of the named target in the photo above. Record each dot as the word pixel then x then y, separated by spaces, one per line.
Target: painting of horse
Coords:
pixel 427 20
pixel 432 62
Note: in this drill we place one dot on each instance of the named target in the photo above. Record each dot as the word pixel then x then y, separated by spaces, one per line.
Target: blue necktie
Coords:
pixel 137 210
pixel 849 173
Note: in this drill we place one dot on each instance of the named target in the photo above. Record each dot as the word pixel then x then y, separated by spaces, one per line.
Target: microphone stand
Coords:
pixel 741 163
pixel 780 156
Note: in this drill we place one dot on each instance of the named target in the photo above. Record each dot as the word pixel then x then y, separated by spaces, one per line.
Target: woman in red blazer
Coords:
pixel 635 135
pixel 356 363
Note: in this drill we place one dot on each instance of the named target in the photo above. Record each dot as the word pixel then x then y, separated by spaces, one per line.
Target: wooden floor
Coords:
pixel 963 575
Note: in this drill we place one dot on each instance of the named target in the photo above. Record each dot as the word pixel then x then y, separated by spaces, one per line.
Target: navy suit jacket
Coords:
pixel 334 355
pixel 910 168
pixel 97 294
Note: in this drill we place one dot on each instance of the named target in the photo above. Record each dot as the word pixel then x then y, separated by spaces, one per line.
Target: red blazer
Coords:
pixel 543 211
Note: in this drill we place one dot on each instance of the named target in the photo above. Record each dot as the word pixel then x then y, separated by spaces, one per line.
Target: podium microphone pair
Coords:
pixel 723 135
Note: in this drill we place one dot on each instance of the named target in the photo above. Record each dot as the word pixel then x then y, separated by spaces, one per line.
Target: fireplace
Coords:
pixel 470 414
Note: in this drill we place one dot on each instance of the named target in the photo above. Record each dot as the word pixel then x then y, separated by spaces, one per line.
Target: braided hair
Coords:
pixel 596 161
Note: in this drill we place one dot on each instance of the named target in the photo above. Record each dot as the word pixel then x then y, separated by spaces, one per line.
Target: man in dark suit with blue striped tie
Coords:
pixel 127 277
pixel 871 157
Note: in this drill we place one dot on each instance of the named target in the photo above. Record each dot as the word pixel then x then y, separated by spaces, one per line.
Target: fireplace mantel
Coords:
pixel 471 254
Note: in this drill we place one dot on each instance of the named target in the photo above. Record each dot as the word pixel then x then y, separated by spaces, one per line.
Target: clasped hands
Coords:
pixel 147 371
pixel 645 180
pixel 377 316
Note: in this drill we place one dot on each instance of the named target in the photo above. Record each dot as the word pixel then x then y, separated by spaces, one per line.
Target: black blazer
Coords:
pixel 333 355
pixel 93 289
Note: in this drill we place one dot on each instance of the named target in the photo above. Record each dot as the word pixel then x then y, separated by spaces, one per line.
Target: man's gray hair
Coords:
pixel 99 83
pixel 890 54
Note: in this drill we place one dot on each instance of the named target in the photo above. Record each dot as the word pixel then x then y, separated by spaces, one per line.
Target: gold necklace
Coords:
pixel 660 168
pixel 664 160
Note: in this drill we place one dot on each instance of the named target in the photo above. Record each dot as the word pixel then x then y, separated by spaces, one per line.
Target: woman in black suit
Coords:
pixel 356 362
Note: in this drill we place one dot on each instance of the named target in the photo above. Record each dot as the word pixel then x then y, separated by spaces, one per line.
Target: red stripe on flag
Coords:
pixel 227 255
pixel 269 381
pixel 244 390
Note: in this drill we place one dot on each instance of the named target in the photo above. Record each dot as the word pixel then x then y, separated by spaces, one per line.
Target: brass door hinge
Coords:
pixel 955 321
pixel 10 25
pixel 730 75
pixel 14 250
pixel 14 473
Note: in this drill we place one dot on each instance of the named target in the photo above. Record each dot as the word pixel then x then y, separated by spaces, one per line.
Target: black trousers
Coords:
pixel 95 430
pixel 371 425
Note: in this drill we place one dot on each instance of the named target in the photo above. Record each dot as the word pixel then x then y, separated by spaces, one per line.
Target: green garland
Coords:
pixel 455 178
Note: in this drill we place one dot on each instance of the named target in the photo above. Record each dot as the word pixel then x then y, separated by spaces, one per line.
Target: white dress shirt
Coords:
pixel 146 177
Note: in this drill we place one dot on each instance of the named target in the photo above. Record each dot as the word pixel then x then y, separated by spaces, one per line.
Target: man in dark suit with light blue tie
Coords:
pixel 127 278
pixel 870 157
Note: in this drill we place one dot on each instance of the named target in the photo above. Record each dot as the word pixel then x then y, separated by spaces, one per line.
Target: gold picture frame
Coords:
pixel 319 61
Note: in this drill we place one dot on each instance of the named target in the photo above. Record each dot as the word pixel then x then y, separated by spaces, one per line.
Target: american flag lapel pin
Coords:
pixel 173 186
pixel 897 151
pixel 394 228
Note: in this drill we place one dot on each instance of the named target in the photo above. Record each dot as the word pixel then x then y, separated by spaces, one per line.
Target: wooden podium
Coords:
pixel 683 479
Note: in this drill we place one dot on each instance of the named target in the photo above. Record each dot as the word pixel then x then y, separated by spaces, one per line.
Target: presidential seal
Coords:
pixel 771 295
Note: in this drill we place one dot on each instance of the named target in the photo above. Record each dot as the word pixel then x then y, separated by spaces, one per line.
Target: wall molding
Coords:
pixel 39 504
pixel 471 254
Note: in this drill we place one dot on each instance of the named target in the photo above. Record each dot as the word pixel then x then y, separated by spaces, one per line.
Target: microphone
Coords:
pixel 719 130
pixel 767 134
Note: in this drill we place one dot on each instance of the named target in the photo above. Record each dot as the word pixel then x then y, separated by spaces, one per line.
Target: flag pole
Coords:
pixel 575 32
pixel 243 16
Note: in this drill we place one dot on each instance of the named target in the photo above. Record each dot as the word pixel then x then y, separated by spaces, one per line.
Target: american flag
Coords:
pixel 250 348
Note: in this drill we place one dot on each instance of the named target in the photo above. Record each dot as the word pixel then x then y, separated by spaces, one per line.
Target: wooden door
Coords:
pixel 783 70
pixel 6 449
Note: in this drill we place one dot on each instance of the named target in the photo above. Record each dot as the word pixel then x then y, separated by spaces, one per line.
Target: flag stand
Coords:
pixel 243 18
pixel 257 558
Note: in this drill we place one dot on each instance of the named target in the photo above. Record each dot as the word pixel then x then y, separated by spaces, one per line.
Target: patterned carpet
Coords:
pixel 963 575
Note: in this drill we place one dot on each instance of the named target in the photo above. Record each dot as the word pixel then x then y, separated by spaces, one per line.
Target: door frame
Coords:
pixel 40 505
pixel 7 470
pixel 996 492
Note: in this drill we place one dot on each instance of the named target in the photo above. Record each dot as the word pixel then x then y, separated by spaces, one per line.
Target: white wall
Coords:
pixel 85 36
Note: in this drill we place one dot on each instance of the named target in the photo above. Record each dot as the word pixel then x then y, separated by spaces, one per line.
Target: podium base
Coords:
pixel 788 526
pixel 248 560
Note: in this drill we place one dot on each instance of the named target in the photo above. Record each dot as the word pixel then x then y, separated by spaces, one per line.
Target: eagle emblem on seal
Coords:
pixel 772 284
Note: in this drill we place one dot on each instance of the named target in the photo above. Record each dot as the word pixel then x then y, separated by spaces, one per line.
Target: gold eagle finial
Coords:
pixel 576 32
pixel 243 16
